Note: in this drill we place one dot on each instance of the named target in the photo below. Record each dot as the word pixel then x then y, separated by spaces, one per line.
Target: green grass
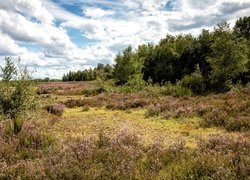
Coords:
pixel 77 123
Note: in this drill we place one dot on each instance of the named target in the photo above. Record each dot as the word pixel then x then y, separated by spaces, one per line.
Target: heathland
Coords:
pixel 176 110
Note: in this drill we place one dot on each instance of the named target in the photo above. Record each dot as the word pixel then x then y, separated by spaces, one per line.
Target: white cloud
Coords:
pixel 34 9
pixel 97 12
pixel 112 24
pixel 58 12
pixel 9 46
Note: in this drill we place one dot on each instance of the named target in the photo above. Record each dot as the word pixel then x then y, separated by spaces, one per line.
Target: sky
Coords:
pixel 53 37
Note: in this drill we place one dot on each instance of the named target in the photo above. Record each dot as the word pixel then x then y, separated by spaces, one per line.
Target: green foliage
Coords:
pixel 195 81
pixel 175 90
pixel 93 92
pixel 136 83
pixel 16 98
pixel 129 65
pixel 9 70
pixel 171 59
pixel 242 27
pixel 103 72
pixel 228 58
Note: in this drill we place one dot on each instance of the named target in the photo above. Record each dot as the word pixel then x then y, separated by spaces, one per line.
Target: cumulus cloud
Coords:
pixel 9 46
pixel 97 12
pixel 111 25
pixel 34 9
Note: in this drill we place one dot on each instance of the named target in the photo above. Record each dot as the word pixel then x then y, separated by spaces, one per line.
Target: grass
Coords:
pixel 77 123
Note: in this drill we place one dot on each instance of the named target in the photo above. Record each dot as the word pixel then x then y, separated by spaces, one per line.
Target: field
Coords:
pixel 79 132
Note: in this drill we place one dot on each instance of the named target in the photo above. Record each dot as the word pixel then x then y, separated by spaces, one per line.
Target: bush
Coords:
pixel 153 110
pixel 233 116
pixel 20 155
pixel 92 102
pixel 123 102
pixel 41 91
pixel 195 82
pixel 215 118
pixel 223 157
pixel 56 109
pixel 85 108
pixel 16 98
pixel 93 92
pixel 175 90
pixel 241 123
pixel 32 137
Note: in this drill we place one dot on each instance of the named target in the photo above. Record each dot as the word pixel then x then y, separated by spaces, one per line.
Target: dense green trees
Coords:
pixel 241 31
pixel 103 72
pixel 212 61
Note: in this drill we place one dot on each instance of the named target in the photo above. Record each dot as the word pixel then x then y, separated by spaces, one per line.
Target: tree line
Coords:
pixel 104 72
pixel 211 61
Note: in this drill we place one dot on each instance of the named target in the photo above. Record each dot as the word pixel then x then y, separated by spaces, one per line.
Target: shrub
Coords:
pixel 195 82
pixel 219 156
pixel 175 90
pixel 248 104
pixel 56 109
pixel 137 102
pixel 85 108
pixel 153 110
pixel 20 155
pixel 41 91
pixel 117 105
pixel 241 123
pixel 223 156
pixel 93 102
pixel 54 119
pixel 231 116
pixel 32 137
pixel 93 92
pixel 215 118
pixel 16 98
pixel 123 101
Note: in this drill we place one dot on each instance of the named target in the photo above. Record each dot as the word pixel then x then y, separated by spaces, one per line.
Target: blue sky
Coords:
pixel 56 36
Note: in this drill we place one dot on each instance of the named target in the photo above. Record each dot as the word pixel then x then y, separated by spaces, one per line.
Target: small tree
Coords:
pixel 195 81
pixel 128 65
pixel 15 97
pixel 9 70
pixel 123 67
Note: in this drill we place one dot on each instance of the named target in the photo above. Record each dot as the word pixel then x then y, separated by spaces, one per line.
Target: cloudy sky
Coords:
pixel 55 36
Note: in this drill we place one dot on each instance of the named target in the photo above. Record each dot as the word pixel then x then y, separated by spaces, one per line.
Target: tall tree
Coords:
pixel 242 27
pixel 228 58
pixel 126 66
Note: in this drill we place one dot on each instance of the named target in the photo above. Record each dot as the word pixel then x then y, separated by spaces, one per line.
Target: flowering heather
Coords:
pixel 56 109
